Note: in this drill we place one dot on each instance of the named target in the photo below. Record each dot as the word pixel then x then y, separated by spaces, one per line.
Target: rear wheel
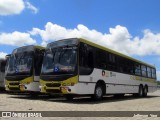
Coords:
pixel 145 90
pixel 98 93
pixel 140 93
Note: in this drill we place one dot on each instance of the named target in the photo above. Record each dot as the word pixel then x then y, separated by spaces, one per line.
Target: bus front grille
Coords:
pixel 14 88
pixel 53 84
pixel 14 83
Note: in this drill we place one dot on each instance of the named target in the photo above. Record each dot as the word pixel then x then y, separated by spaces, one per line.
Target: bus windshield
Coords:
pixel 61 60
pixel 20 64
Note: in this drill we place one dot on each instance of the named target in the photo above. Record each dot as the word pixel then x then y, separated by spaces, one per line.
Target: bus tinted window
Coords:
pixel 153 73
pixel 86 59
pixel 101 59
pixel 143 68
pixel 137 69
pixel 149 72
pixel 112 65
pixel 125 65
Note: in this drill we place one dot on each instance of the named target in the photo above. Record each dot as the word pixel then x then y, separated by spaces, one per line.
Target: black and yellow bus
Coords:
pixel 79 67
pixel 23 69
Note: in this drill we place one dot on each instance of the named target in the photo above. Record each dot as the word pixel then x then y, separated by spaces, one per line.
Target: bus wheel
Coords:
pixel 69 97
pixel 98 93
pixel 145 91
pixel 140 93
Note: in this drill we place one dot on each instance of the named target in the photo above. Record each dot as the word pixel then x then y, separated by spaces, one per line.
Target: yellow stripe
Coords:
pixel 143 79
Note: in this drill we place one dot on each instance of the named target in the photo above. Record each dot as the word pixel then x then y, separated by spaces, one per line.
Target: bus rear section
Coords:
pixel 23 69
pixel 2 73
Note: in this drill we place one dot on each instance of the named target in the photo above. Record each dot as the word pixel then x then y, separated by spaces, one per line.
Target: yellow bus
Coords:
pixel 79 67
pixel 23 69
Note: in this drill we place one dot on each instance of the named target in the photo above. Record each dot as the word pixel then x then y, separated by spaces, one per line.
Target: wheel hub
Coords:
pixel 99 92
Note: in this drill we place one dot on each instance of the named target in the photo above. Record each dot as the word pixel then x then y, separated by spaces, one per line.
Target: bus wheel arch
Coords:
pixel 100 90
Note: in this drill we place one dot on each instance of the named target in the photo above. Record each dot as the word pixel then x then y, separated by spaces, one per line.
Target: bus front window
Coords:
pixel 20 64
pixel 59 61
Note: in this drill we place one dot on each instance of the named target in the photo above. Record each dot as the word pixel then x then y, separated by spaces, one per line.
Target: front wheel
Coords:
pixel 98 93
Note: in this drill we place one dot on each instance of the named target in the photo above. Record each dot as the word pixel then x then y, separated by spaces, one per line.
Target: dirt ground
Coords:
pixel 14 102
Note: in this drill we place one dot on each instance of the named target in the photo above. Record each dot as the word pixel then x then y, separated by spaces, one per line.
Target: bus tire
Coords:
pixel 98 93
pixel 140 91
pixel 145 90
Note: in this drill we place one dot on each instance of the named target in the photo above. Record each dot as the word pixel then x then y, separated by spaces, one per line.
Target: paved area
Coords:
pixel 10 102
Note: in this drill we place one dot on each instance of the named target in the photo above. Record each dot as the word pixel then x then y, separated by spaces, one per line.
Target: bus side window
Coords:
pixel 153 73
pixel 90 60
pixel 101 59
pixel 86 62
pixel 112 65
pixel 144 70
pixel 149 72
pixel 137 68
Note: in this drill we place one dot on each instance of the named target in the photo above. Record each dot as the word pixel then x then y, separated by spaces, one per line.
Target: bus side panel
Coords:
pixel 82 88
pixel 115 82
pixel 152 88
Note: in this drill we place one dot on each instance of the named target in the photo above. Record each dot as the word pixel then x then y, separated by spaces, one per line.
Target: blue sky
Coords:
pixel 108 19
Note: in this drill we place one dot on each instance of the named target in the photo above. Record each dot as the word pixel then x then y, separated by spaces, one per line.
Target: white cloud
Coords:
pixel 118 38
pixel 31 7
pixel 2 55
pixel 11 7
pixel 16 39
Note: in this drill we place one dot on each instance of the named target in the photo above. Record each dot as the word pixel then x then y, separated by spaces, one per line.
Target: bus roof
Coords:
pixel 112 51
pixel 28 48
